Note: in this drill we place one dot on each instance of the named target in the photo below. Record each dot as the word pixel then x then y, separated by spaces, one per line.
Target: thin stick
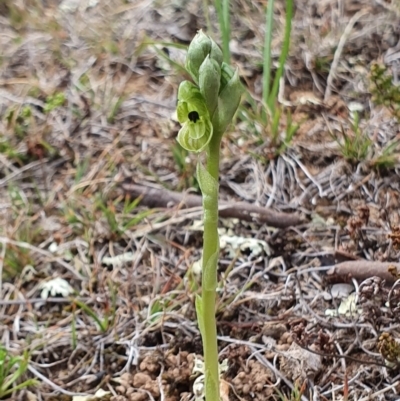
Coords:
pixel 25 245
pixel 2 256
pixel 157 197
pixel 338 52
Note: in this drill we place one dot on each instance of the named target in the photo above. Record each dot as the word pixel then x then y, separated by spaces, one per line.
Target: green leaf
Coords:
pixel 211 386
pixel 210 272
pixel 200 313
pixel 208 185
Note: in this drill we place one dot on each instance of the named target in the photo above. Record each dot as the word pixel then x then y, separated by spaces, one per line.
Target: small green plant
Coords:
pixel 270 115
pixel 12 369
pixel 114 109
pixel 205 109
pixel 354 144
pixel 270 93
pixel 296 393
pixel 54 101
pixel 383 91
pixel 109 212
pixel 389 156
pixel 120 222
pixel 19 120
pixel 23 229
pixel 103 323
pixel 10 151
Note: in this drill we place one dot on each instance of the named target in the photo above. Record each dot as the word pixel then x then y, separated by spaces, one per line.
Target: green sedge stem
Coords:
pixel 222 7
pixel 210 247
pixel 227 31
pixel 284 54
pixel 207 17
pixel 267 53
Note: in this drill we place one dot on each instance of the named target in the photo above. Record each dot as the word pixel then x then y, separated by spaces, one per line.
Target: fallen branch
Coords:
pixel 363 269
pixel 155 197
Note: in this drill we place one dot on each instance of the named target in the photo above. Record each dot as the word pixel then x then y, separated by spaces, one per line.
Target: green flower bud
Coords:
pixel 209 82
pixel 228 100
pixel 197 130
pixel 200 47
pixel 227 73
pixel 216 53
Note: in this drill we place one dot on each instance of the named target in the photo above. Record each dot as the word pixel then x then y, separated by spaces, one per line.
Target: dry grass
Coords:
pixel 86 105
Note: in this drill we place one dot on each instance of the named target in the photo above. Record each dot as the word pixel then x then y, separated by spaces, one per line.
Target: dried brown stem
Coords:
pixel 363 269
pixel 155 197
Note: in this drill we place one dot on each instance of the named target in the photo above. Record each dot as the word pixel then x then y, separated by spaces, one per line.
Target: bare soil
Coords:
pixel 67 204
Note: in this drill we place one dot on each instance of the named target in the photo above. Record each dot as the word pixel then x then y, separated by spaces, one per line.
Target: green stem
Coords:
pixel 207 17
pixel 283 56
pixel 222 7
pixel 227 31
pixel 267 53
pixel 209 277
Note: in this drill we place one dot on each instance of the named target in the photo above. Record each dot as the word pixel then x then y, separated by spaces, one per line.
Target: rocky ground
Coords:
pixel 101 220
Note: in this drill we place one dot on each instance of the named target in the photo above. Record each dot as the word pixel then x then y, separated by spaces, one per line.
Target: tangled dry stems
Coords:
pixel 62 171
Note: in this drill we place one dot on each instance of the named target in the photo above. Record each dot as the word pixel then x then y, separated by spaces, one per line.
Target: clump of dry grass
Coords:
pixel 86 106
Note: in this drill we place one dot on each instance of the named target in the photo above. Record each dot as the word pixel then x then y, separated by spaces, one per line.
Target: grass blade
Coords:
pixel 284 54
pixel 222 8
pixel 267 52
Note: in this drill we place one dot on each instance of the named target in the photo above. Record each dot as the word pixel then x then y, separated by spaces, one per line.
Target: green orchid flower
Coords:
pixel 205 109
pixel 197 129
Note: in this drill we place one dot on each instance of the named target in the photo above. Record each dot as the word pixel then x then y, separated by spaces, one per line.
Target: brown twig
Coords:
pixel 363 269
pixel 155 197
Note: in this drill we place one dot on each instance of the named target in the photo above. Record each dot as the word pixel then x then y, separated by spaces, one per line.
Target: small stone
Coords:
pixel 120 389
pixel 126 378
pixel 118 398
pixel 137 397
pixel 140 379
pixel 246 389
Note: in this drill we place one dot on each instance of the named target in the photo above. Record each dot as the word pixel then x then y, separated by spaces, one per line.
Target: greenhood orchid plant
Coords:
pixel 205 110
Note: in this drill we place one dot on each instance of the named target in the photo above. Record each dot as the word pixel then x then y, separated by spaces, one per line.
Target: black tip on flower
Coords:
pixel 193 116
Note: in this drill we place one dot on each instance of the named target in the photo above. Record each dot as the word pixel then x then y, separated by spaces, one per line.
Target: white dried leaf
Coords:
pixel 235 243
pixel 53 247
pixel 29 396
pixel 355 107
pixel 348 307
pixel 197 225
pixel 197 267
pixel 91 397
pixel 119 260
pixel 198 384
pixel 54 287
pixel 70 6
pixel 341 290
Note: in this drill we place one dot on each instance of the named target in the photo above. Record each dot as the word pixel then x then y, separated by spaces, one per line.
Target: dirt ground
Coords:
pixel 93 188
